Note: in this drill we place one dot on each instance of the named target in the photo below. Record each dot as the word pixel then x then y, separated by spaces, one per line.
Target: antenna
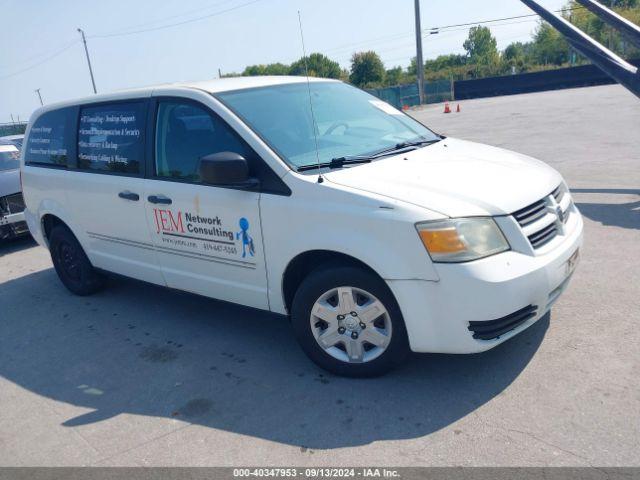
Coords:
pixel 313 117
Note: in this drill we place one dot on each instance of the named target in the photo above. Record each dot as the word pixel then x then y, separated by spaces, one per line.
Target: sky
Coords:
pixel 41 46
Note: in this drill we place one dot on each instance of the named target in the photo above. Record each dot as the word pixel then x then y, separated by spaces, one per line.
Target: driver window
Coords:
pixel 186 132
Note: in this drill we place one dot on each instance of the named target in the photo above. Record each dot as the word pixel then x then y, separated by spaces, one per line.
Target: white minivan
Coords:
pixel 314 200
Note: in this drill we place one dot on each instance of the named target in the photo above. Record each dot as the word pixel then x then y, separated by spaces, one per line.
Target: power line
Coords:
pixel 51 57
pixel 562 10
pixel 184 22
pixel 68 46
pixel 23 61
pixel 447 28
pixel 171 17
pixel 440 36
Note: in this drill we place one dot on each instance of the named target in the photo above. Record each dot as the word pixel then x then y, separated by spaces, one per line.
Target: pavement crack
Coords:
pixel 549 444
pixel 141 444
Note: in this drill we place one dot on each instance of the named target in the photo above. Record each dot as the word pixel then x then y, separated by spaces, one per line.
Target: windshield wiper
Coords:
pixel 336 163
pixel 417 143
pixel 340 162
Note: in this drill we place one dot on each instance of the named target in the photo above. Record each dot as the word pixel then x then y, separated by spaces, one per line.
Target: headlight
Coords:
pixel 462 239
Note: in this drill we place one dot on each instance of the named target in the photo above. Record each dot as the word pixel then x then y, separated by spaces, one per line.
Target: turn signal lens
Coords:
pixel 446 240
pixel 462 239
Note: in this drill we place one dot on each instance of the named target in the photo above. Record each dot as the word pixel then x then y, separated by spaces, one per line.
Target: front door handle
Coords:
pixel 127 195
pixel 159 199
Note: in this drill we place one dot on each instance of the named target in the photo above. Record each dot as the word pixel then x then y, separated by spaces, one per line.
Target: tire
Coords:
pixel 315 305
pixel 71 263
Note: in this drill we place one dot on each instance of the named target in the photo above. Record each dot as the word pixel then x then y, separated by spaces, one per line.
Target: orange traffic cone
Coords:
pixel 405 107
pixel 447 108
pixel 458 109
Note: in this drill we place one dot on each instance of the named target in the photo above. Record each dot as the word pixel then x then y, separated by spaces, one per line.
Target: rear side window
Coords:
pixel 50 138
pixel 111 137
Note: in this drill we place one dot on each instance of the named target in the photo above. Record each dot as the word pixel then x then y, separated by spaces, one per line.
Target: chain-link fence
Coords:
pixel 401 96
pixel 15 128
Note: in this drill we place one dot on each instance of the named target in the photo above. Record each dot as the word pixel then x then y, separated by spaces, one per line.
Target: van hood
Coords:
pixel 9 182
pixel 455 178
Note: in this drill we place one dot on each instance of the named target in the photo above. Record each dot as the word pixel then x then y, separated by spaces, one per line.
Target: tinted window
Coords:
pixel 49 140
pixel 110 137
pixel 9 160
pixel 185 133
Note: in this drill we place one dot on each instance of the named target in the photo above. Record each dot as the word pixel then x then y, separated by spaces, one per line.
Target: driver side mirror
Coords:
pixel 226 169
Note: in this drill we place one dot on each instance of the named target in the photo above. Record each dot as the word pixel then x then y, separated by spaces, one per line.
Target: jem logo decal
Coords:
pixel 208 229
pixel 167 222
pixel 247 241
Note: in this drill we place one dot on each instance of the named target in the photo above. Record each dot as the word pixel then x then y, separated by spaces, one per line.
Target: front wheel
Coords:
pixel 348 322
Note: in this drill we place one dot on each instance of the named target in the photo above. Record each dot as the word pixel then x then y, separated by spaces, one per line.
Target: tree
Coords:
pixel 517 55
pixel 394 76
pixel 366 69
pixel 596 28
pixel 549 47
pixel 269 69
pixel 319 66
pixel 481 46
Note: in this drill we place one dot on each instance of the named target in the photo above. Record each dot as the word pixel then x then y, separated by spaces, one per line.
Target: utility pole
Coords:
pixel 86 50
pixel 37 90
pixel 219 73
pixel 419 60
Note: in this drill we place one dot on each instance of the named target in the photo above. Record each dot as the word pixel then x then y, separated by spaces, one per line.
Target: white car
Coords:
pixel 12 222
pixel 314 200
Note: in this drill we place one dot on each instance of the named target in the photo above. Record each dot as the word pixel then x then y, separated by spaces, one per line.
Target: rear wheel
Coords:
pixel 348 322
pixel 71 263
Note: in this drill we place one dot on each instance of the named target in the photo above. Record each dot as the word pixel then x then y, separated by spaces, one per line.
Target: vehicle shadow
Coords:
pixel 145 350
pixel 624 215
pixel 16 244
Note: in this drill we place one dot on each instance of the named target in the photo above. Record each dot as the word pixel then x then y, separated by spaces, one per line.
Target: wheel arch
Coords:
pixel 48 222
pixel 304 263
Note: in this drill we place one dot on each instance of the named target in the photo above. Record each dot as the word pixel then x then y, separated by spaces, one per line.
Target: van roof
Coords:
pixel 239 83
pixel 211 86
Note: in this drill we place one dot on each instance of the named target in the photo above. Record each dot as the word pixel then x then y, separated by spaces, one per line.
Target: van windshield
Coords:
pixel 9 160
pixel 349 122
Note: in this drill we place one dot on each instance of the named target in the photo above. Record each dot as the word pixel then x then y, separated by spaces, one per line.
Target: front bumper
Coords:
pixel 438 314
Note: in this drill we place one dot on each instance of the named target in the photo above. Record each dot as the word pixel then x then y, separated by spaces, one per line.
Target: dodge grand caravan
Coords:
pixel 374 234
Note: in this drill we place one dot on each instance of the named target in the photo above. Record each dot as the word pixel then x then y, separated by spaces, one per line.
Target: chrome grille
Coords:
pixel 531 213
pixel 543 220
pixel 544 236
pixel 558 193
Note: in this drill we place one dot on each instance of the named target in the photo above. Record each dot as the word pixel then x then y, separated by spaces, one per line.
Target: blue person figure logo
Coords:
pixel 247 241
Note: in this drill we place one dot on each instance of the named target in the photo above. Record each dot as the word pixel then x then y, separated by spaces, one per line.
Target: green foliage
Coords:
pixel 319 66
pixel 367 70
pixel 482 51
pixel 546 50
pixel 269 69
pixel 592 25
pixel 549 47
pixel 394 76
pixel 481 46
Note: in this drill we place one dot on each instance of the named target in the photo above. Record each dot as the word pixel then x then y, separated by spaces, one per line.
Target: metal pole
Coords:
pixel 86 50
pixel 419 59
pixel 37 90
